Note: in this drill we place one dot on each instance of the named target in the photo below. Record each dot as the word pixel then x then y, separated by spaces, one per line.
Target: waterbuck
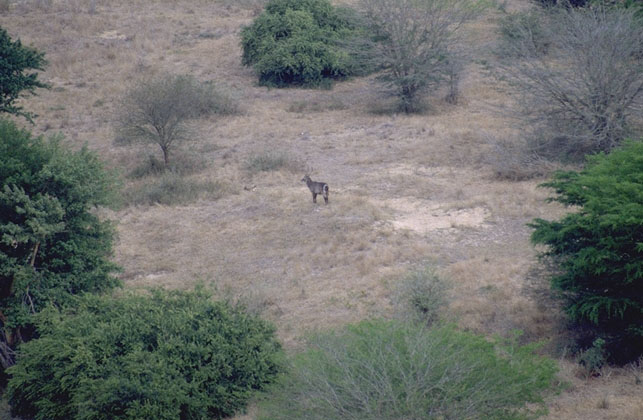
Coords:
pixel 316 188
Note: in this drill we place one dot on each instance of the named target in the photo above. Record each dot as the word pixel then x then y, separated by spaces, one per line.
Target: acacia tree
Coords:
pixel 159 110
pixel 579 77
pixel 52 245
pixel 15 62
pixel 414 43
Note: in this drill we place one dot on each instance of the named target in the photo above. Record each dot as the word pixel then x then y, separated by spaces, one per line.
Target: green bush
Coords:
pixel 593 358
pixel 52 244
pixel 296 42
pixel 388 370
pixel 600 249
pixel 170 355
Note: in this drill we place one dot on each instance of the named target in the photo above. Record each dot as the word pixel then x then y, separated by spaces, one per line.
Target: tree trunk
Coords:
pixel 166 156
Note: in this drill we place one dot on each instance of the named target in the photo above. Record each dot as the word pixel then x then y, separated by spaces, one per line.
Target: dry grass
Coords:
pixel 403 189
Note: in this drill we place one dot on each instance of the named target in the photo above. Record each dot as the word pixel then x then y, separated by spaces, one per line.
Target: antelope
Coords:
pixel 316 188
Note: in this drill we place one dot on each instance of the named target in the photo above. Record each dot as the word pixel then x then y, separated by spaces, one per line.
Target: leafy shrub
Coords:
pixel 382 370
pixel 296 42
pixel 171 189
pixel 599 249
pixel 594 358
pixel 169 355
pixel 52 245
pixel 420 296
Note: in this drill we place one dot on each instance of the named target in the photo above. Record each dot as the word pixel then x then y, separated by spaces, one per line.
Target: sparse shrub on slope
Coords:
pixel 52 245
pixel 599 247
pixel 524 28
pixel 415 44
pixel 171 355
pixel 296 42
pixel 383 370
pixel 579 74
pixel 159 110
pixel 421 296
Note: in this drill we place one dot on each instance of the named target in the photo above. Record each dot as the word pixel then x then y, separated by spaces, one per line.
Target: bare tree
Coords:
pixel 414 43
pixel 159 110
pixel 582 94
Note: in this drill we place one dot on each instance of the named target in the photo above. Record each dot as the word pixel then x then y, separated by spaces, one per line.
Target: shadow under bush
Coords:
pixel 381 370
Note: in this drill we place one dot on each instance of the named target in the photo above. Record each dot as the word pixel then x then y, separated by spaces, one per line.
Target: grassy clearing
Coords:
pixel 267 161
pixel 170 189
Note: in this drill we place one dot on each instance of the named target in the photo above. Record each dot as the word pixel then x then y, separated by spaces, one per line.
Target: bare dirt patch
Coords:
pixel 422 216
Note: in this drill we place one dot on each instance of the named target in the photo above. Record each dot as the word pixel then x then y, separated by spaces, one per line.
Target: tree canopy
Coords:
pixel 17 63
pixel 52 245
pixel 600 248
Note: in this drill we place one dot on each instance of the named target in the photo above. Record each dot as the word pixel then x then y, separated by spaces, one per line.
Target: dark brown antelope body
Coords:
pixel 316 188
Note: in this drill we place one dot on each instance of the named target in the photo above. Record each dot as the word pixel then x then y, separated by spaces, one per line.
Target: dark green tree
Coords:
pixel 296 42
pixel 599 247
pixel 168 355
pixel 52 245
pixel 16 61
